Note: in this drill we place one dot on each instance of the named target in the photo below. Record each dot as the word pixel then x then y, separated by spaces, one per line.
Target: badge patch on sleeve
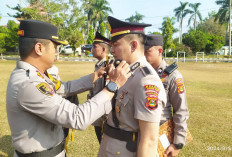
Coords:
pixel 45 89
pixel 180 85
pixel 152 103
pixel 152 88
pixel 152 92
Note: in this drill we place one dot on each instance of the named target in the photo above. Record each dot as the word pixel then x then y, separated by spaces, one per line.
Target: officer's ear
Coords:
pixel 39 49
pixel 160 50
pixel 103 49
pixel 134 45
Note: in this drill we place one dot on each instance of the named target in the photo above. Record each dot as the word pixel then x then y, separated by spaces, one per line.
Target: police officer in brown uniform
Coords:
pixel 100 50
pixel 173 82
pixel 36 110
pixel 133 125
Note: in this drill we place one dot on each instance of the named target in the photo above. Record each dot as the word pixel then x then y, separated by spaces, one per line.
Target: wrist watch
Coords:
pixel 179 145
pixel 112 87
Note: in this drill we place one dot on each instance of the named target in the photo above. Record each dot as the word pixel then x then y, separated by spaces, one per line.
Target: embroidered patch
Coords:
pixel 45 89
pixel 152 103
pixel 180 85
pixel 152 87
pixel 154 94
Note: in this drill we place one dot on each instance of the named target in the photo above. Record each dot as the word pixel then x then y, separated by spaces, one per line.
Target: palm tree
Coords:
pixel 131 19
pixel 223 13
pixel 172 22
pixel 97 11
pixel 138 17
pixel 101 11
pixel 194 14
pixel 87 6
pixel 135 18
pixel 180 13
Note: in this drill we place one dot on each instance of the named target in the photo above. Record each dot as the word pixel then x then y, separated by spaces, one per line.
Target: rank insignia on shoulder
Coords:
pixel 152 103
pixel 45 89
pixel 134 66
pixel 146 70
pixel 171 68
pixel 100 64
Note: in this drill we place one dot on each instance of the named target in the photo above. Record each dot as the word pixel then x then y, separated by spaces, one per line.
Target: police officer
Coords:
pixel 173 82
pixel 36 110
pixel 133 125
pixel 100 50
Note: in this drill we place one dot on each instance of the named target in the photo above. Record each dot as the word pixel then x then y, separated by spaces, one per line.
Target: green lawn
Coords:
pixel 209 93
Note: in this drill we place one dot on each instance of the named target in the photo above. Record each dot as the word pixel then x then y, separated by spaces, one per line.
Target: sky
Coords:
pixel 153 10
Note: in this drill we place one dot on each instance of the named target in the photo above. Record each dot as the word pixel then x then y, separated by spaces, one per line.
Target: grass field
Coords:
pixel 209 94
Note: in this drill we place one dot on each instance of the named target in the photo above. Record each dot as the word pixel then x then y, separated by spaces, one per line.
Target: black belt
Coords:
pixel 46 153
pixel 120 134
pixel 130 137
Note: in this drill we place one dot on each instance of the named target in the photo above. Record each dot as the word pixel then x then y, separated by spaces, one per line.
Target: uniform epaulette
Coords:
pixel 134 66
pixel 146 70
pixel 102 62
pixel 171 68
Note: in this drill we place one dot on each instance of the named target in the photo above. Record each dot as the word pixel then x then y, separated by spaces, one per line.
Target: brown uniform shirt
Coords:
pixel 36 113
pixel 141 98
pixel 176 101
pixel 98 86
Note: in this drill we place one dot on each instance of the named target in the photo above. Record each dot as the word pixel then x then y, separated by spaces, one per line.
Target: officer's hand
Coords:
pixel 172 151
pixel 120 74
pixel 99 73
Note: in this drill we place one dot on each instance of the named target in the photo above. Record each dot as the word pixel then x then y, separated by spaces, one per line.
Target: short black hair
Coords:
pixel 108 47
pixel 140 37
pixel 26 45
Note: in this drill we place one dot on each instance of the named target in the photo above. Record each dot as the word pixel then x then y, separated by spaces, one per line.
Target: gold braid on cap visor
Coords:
pixel 121 32
pixel 99 40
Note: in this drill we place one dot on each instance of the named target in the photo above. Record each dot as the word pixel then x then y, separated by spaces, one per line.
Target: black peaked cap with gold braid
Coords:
pixel 120 28
pixel 40 30
pixel 101 39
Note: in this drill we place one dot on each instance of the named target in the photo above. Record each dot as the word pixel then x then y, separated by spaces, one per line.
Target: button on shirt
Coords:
pixel 36 113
